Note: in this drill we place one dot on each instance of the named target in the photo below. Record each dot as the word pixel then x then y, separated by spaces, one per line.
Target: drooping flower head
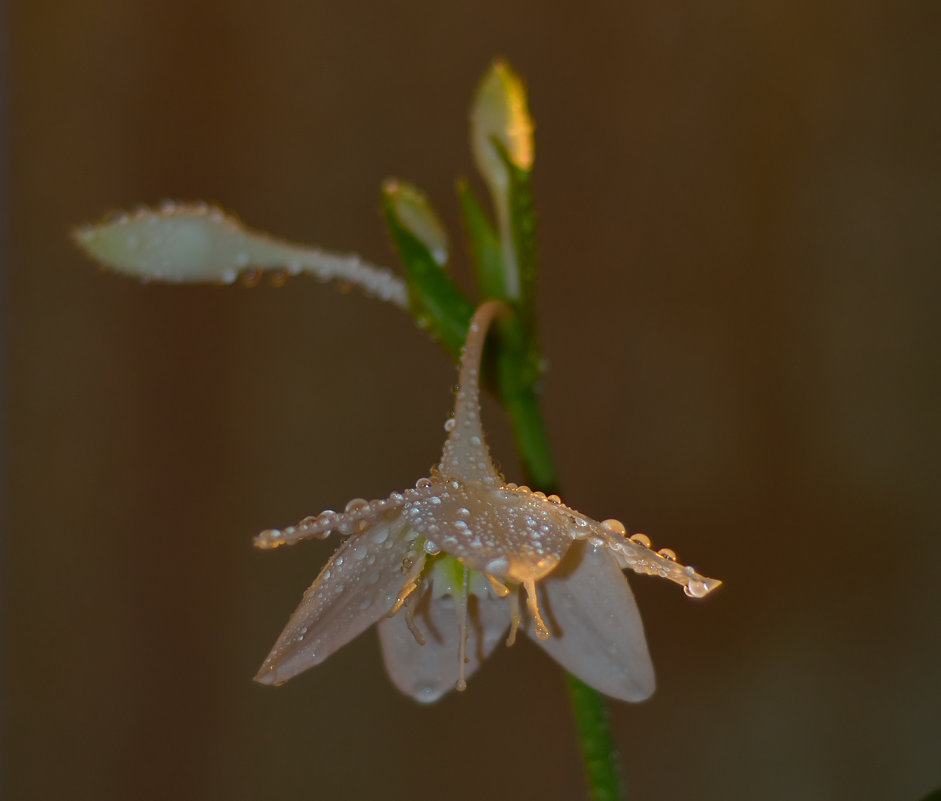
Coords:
pixel 462 560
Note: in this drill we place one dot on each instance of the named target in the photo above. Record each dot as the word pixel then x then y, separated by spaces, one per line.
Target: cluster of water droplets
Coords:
pixel 636 552
pixel 358 515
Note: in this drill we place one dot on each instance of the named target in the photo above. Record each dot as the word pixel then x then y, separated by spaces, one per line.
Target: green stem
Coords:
pixel 593 731
pixel 594 734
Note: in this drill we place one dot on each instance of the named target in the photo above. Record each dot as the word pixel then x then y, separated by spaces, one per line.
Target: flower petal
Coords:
pixel 355 589
pixel 597 633
pixel 426 672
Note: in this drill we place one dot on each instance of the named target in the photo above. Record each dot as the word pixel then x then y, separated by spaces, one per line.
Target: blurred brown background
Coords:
pixel 738 208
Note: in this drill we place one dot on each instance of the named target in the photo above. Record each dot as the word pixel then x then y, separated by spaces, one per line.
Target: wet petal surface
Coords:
pixel 596 630
pixel 507 532
pixel 356 588
pixel 426 672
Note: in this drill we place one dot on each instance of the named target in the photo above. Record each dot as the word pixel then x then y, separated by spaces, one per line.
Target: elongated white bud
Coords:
pixel 200 244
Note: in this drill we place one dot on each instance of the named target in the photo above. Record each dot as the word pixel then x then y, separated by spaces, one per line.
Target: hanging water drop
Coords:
pixel 641 539
pixel 356 504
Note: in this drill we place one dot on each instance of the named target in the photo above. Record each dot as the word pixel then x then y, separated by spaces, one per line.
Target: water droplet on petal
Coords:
pixel 423 483
pixel 450 424
pixel 356 504
pixel 641 539
pixel 615 527
pixel 497 566
pixel 667 553
pixel 380 535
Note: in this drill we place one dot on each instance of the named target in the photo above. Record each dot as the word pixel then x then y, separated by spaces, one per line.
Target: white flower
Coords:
pixel 441 568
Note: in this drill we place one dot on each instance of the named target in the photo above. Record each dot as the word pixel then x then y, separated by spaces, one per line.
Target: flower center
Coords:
pixel 428 570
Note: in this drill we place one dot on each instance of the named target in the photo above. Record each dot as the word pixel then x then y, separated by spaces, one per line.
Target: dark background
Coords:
pixel 738 209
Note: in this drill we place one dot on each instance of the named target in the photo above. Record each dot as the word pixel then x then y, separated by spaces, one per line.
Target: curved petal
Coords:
pixel 426 672
pixel 596 630
pixel 355 589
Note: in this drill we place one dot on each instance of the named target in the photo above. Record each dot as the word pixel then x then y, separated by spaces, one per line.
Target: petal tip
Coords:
pixel 266 675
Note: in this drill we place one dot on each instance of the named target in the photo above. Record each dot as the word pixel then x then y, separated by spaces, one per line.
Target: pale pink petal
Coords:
pixel 596 630
pixel 355 589
pixel 426 672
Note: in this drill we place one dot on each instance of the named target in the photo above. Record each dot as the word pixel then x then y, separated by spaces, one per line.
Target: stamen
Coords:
pixel 499 588
pixel 410 620
pixel 461 604
pixel 412 579
pixel 515 617
pixel 532 604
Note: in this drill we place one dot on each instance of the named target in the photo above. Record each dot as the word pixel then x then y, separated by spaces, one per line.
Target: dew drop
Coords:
pixel 613 526
pixel 423 483
pixel 450 424
pixel 641 539
pixel 696 589
pixel 251 278
pixel 380 535
pixel 497 566
pixel 667 553
pixel 356 504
